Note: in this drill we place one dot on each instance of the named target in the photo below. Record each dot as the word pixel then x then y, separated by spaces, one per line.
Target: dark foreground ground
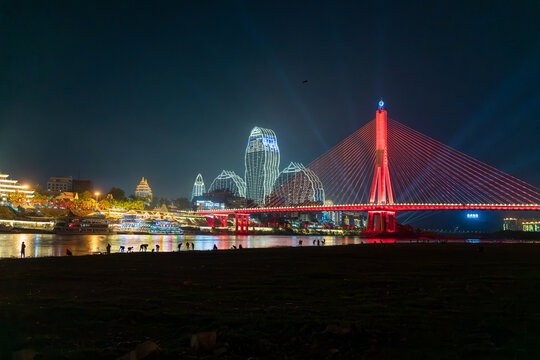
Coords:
pixel 380 301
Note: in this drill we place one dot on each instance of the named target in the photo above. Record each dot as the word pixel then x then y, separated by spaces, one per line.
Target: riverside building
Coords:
pixel 60 184
pixel 262 164
pixel 9 187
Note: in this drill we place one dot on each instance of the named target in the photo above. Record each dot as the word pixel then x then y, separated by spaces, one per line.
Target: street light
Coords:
pixel 97 193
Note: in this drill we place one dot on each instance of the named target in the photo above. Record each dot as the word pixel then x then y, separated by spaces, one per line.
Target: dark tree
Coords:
pixel 182 203
pixel 38 189
pixel 118 194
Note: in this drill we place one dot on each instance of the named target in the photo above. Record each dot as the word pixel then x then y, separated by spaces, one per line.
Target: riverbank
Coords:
pixel 350 302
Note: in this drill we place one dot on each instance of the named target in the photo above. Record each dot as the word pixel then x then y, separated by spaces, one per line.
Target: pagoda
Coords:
pixel 143 189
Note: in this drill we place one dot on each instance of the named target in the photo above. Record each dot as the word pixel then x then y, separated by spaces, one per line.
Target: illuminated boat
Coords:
pixel 134 224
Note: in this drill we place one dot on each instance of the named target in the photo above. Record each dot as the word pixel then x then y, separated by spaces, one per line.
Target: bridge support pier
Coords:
pixel 242 223
pixel 381 221
pixel 219 218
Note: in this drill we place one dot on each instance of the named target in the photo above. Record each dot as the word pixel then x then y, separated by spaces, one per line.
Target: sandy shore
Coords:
pixel 348 302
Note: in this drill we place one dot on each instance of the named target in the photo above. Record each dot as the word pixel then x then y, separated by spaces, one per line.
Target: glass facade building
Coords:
pixel 262 164
pixel 229 181
pixel 297 185
pixel 198 187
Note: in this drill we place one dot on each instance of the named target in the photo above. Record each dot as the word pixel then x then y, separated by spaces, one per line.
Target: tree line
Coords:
pixel 115 198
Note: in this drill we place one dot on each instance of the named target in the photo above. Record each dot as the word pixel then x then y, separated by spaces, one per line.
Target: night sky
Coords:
pixel 115 90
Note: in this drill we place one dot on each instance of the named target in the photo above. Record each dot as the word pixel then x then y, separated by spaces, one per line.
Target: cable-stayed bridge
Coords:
pixel 386 167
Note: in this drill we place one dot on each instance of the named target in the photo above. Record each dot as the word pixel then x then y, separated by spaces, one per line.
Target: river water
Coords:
pixel 39 245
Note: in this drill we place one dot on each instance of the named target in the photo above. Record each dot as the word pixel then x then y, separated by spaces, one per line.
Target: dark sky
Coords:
pixel 119 90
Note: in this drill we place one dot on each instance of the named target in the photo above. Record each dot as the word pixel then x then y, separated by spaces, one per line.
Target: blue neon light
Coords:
pixel 270 143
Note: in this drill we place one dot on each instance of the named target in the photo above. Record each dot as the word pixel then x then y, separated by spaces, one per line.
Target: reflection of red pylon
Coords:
pixel 381 187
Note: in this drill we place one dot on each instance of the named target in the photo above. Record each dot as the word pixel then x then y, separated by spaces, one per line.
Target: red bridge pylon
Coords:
pixel 381 187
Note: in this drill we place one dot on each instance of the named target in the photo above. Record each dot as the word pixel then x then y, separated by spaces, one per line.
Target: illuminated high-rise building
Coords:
pixel 198 187
pixel 262 164
pixel 229 181
pixel 297 185
pixel 143 189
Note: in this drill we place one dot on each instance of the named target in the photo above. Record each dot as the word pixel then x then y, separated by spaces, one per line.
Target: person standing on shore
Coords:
pixel 108 248
pixel 23 249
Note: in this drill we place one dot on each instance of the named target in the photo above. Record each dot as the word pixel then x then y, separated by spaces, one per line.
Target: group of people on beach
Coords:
pixel 144 247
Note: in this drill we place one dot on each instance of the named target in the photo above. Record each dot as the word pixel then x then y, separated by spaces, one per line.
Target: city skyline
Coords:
pixel 269 179
pixel 107 117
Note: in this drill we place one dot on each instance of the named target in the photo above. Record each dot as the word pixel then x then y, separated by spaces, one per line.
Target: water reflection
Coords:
pixel 39 245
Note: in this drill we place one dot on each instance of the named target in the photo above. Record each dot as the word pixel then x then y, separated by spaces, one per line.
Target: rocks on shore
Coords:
pixel 24 354
pixel 338 330
pixel 141 351
pixel 203 341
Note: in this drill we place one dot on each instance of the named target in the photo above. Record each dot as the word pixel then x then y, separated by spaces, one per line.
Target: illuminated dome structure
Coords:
pixel 229 181
pixel 198 187
pixel 262 164
pixel 296 185
pixel 143 189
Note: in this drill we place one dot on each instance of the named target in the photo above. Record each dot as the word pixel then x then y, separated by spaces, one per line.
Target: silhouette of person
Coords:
pixel 240 247
pixel 179 246
pixel 157 247
pixel 108 248
pixel 23 247
pixel 300 242
pixel 68 252
pixel 318 242
pixel 215 247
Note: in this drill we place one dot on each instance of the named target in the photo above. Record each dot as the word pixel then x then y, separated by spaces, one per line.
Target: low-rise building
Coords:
pixel 515 224
pixel 60 184
pixel 511 224
pixel 223 197
pixel 533 226
pixel 67 196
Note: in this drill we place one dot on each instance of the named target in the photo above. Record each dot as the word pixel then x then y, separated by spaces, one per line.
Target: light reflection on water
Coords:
pixel 39 245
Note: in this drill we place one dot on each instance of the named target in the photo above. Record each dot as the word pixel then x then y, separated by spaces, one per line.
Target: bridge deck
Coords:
pixel 376 207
